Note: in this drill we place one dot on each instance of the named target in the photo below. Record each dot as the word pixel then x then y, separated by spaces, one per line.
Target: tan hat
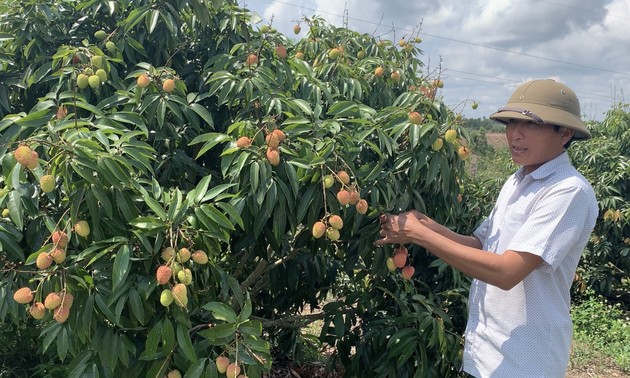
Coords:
pixel 544 101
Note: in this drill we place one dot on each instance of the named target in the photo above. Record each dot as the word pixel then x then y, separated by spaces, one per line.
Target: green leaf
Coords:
pixel 136 305
pixel 121 265
pixel 220 332
pixel 185 344
pixel 221 311
pixel 155 206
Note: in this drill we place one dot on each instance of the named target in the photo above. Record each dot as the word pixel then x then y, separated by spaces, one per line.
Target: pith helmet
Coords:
pixel 544 101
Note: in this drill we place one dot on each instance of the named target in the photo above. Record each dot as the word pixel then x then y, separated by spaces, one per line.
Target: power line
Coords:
pixel 466 42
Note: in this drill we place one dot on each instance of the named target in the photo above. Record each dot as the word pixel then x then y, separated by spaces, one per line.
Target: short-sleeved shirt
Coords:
pixel 526 331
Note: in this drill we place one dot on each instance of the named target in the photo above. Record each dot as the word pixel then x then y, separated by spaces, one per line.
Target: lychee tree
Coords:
pixel 179 185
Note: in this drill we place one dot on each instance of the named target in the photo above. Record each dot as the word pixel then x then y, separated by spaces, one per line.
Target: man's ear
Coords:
pixel 566 134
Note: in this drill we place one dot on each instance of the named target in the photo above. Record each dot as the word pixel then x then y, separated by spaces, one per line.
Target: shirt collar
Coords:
pixel 546 169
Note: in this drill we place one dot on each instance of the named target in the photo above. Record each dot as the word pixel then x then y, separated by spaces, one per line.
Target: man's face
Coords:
pixel 532 144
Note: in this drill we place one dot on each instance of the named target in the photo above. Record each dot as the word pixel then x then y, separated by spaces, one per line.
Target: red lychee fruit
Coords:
pixel 23 295
pixel 163 274
pixel 61 314
pixel 44 260
pixel 273 156
pixel 415 118
pixel 319 229
pixel 335 221
pixel 407 272
pixel 343 196
pixel 222 363
pixel 200 257
pixel 52 301
pixel 168 85
pixel 243 142
pixel 60 238
pixel 343 177
pixel 37 310
pixel 362 206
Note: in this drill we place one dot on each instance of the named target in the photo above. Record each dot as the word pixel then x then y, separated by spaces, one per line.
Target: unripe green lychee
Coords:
pixel 110 46
pixel 176 268
pixel 52 301
pixel 343 177
pixel 47 183
pixel 58 255
pixel 185 276
pixel 97 61
pixel 183 255
pixel 199 257
pixel 450 135
pixel 168 253
pixel 332 234
pixel 100 35
pixel 61 314
pixel 82 228
pixel 94 81
pixel 362 206
pixel 334 53
pixel 88 71
pixel 168 85
pixel 180 294
pixel 222 363
pixel 60 238
pixel 166 297
pixel 6 213
pixel 335 221
pixel 44 260
pixel 163 274
pixel 437 145
pixel 391 266
pixel 329 181
pixel 82 81
pixel 37 310
pixel 319 229
pixel 101 75
pixel 23 295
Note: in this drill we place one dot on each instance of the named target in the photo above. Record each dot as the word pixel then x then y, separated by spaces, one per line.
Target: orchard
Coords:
pixel 180 185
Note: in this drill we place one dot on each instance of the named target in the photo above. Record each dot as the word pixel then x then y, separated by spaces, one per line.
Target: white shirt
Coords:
pixel 526 331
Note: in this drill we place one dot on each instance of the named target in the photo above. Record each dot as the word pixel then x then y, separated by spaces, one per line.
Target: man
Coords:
pixel 524 255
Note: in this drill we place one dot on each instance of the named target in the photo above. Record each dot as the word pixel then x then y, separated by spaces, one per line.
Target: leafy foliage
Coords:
pixel 155 169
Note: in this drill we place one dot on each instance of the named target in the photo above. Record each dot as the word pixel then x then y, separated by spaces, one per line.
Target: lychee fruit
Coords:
pixel 168 253
pixel 61 314
pixel 437 145
pixel 243 142
pixel 37 310
pixel 332 234
pixel 67 299
pixel 185 276
pixel 279 134
pixel 23 154
pixel 168 85
pixel 82 228
pixel 379 71
pixel 299 55
pixel 60 238
pixel 400 259
pixel 44 260
pixel 362 206
pixel 407 272
pixel 199 257
pixel 335 221
pixel 222 363
pixel 450 135
pixel 391 265
pixel 180 294
pixel 183 255
pixel 58 255
pixel 97 61
pixel 143 81
pixel 438 83
pixel 100 35
pixel 343 177
pixel 273 156
pixel 343 196
pixel 463 152
pixel 94 81
pixel 252 60
pixel 232 370
pixel 174 374
pixel 415 118
pixel 166 297
pixel 32 164
pixel 329 181
pixel 281 52
pixel 272 140
pixel 163 274
pixel 110 46
pixel 47 183
pixel 319 229
pixel 82 81
pixel 297 29
pixel 354 197
pixel 23 295
pixel 52 301
pixel 395 76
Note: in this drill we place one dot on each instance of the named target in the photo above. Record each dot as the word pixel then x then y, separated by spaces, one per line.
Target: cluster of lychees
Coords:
pixel 168 82
pixel 58 251
pixel 348 195
pixel 399 260
pixel 176 275
pixel 230 369
pixel 59 303
pixel 92 74
pixel 272 143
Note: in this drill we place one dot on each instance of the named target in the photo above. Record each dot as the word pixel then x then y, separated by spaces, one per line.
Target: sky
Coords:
pixel 486 48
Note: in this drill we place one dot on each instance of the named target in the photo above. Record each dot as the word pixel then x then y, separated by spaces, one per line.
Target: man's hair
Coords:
pixel 568 143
